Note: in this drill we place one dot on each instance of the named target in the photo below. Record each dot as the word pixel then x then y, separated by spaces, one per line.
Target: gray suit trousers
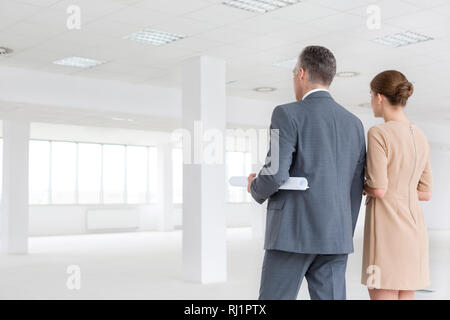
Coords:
pixel 283 272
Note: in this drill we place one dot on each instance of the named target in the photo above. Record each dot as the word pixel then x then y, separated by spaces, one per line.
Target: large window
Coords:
pixel 113 174
pixel 64 172
pixel 136 181
pixel 238 164
pixel 91 173
pixel 152 174
pixel 39 171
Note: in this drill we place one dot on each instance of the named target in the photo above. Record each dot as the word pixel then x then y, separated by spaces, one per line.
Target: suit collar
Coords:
pixel 318 94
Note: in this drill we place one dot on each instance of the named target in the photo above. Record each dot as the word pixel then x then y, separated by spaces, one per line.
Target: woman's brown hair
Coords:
pixel 394 86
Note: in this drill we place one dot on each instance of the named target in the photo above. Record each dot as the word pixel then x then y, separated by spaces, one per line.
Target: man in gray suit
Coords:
pixel 310 233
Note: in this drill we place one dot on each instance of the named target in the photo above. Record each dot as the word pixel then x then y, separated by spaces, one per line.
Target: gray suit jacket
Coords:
pixel 322 141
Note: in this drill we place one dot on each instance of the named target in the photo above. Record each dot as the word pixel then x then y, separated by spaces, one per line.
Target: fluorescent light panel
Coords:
pixel 154 37
pixel 78 62
pixel 402 39
pixel 259 6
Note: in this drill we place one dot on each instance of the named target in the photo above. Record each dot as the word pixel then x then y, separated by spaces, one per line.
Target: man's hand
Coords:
pixel 251 177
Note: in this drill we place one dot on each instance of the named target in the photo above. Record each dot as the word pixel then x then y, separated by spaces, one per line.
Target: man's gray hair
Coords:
pixel 319 63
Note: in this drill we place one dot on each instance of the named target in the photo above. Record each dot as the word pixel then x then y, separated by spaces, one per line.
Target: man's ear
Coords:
pixel 302 73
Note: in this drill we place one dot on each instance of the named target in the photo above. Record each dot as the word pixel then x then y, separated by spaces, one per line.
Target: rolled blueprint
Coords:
pixel 293 183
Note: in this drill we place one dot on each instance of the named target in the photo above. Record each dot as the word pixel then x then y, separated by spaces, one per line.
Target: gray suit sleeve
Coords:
pixel 358 183
pixel 275 171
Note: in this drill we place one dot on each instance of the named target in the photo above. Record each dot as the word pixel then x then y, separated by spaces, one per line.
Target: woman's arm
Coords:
pixel 425 185
pixel 377 181
pixel 424 196
pixel 376 193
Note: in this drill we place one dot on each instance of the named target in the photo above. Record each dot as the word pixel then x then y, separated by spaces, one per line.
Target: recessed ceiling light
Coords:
pixel 259 6
pixel 402 39
pixel 365 105
pixel 265 89
pixel 78 62
pixel 5 51
pixel 154 37
pixel 347 74
pixel 288 64
pixel 121 119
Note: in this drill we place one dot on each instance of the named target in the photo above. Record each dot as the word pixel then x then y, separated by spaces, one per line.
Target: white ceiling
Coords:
pixel 250 43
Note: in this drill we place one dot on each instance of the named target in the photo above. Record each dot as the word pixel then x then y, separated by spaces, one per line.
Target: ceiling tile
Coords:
pixel 426 4
pixel 302 12
pixel 344 5
pixel 185 26
pixel 140 17
pixel 15 11
pixel 220 14
pixel 388 9
pixel 89 8
pixel 173 7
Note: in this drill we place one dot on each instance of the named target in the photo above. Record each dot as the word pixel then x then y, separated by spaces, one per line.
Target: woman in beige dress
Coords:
pixel 398 176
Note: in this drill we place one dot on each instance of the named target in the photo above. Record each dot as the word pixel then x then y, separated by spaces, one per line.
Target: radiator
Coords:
pixel 112 219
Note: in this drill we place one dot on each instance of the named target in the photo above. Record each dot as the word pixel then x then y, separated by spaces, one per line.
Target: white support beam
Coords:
pixel 166 216
pixel 204 225
pixel 14 214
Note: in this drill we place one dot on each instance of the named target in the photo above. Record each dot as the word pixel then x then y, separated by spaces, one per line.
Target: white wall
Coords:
pixel 71 219
pixel 437 211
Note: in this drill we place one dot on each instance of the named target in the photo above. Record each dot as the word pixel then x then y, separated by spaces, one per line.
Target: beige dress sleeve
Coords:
pixel 377 159
pixel 426 179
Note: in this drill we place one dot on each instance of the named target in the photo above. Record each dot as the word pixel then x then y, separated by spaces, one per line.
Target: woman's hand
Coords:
pixel 424 196
pixel 250 179
pixel 376 193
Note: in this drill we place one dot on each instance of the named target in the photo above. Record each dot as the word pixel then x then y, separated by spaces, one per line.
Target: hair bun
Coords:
pixel 394 86
pixel 403 91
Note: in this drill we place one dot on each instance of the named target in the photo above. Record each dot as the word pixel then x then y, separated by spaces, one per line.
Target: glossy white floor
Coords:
pixel 147 265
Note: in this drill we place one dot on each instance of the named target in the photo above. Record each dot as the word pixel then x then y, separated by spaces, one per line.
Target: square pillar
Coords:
pixel 165 218
pixel 204 225
pixel 14 213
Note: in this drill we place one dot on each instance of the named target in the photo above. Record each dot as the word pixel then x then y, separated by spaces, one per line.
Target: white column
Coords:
pixel 204 226
pixel 165 218
pixel 14 215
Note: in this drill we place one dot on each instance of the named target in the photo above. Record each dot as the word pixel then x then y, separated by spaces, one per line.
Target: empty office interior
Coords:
pixel 104 106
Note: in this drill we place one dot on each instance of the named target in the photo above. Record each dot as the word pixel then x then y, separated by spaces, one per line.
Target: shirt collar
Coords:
pixel 311 91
